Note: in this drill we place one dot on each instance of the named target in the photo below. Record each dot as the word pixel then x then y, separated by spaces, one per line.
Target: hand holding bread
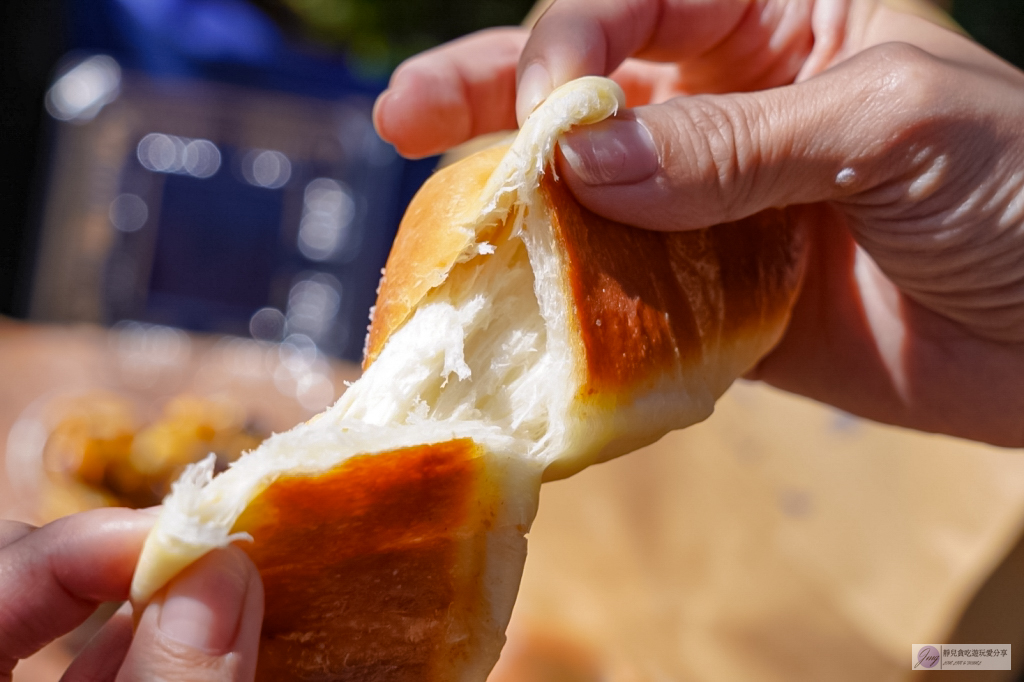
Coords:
pixel 205 627
pixel 526 328
pixel 891 137
pixel 517 338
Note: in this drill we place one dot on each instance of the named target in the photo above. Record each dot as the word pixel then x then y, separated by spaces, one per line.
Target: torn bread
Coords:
pixel 517 338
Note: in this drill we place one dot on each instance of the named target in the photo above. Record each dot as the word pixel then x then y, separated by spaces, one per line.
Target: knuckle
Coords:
pixel 906 76
pixel 718 141
pixel 899 104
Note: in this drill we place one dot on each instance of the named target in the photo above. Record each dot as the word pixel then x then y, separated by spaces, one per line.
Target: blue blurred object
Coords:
pixel 223 40
pixel 212 174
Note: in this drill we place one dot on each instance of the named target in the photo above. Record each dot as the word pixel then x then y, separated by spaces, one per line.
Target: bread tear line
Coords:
pixel 421 389
pixel 508 346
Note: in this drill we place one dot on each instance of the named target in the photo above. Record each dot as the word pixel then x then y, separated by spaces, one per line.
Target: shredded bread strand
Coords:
pixel 201 510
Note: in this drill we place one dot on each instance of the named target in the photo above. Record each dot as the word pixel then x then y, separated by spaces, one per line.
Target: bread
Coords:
pixel 517 338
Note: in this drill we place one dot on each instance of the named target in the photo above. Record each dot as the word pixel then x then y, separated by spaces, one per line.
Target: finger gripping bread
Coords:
pixel 517 338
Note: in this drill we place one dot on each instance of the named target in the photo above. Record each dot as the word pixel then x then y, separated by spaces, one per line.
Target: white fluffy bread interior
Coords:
pixel 486 355
pixel 476 354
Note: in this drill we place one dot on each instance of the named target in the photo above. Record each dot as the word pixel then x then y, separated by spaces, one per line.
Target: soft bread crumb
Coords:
pixel 484 356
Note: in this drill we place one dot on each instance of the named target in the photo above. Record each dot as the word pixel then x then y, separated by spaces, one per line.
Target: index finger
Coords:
pixel 577 38
pixel 52 578
pixel 452 93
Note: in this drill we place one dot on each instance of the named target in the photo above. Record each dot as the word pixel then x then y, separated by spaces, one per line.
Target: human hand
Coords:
pixel 204 626
pixel 905 158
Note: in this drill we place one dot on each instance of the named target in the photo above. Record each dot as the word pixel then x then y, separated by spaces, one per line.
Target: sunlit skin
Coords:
pixel 204 626
pixel 911 150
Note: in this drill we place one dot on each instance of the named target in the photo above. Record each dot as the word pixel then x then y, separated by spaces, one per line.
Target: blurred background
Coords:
pixel 208 164
pixel 194 212
pixel 211 164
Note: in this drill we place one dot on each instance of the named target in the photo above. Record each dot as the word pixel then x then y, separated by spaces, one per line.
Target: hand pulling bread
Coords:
pixel 517 338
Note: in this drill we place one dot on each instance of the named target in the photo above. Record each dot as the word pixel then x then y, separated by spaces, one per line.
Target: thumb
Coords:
pixel 698 161
pixel 204 627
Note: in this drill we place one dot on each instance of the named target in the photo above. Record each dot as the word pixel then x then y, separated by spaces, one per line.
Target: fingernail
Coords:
pixel 534 87
pixel 203 605
pixel 612 152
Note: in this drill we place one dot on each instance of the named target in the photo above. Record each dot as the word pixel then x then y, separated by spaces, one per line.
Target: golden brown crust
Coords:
pixel 649 304
pixel 434 233
pixel 645 304
pixel 377 567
